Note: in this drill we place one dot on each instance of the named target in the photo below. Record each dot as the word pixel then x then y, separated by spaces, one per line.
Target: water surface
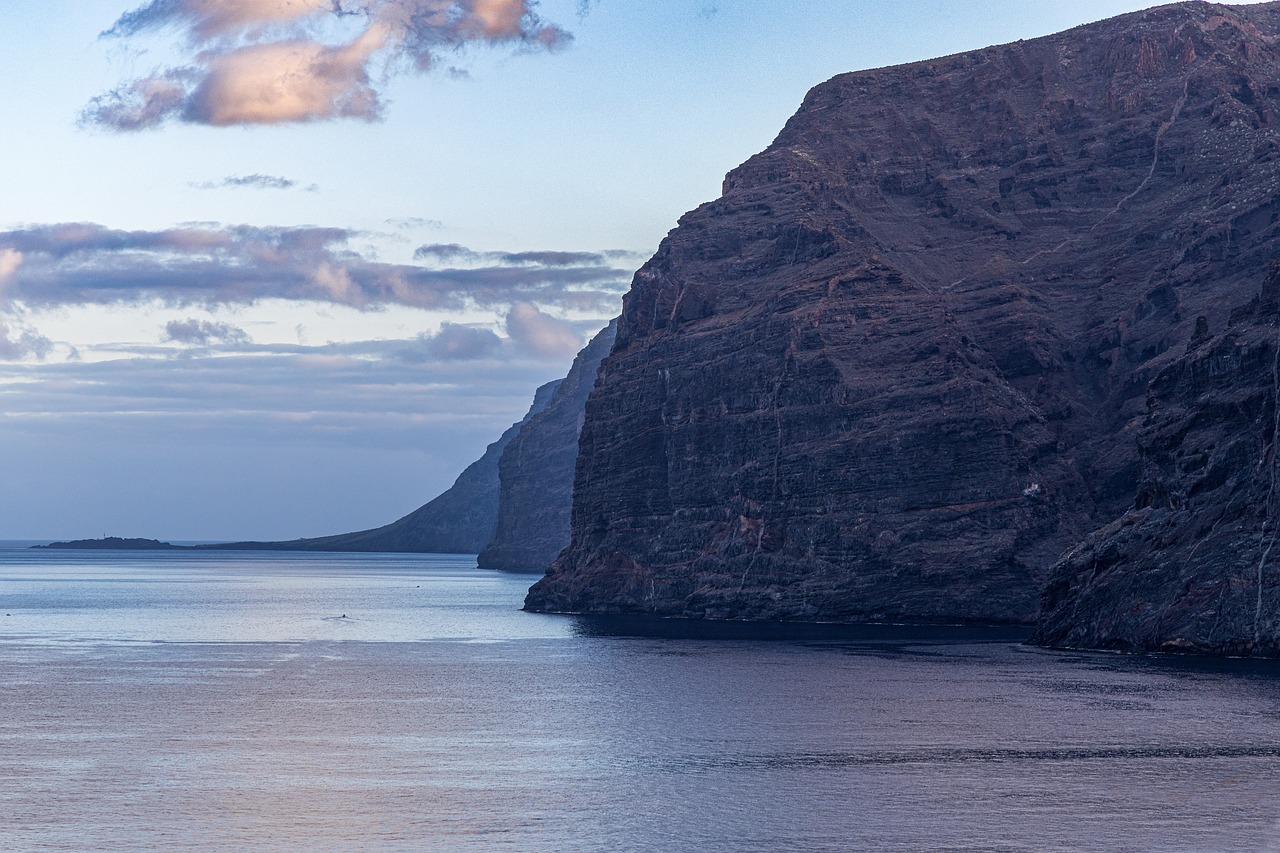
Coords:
pixel 207 700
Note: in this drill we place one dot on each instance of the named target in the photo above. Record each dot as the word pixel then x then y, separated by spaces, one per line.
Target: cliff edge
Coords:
pixel 900 366
pixel 535 471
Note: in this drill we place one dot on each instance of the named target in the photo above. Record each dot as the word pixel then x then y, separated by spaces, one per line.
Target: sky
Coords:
pixel 283 268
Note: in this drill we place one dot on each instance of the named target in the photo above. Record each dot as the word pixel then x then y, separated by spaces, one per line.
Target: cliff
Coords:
pixel 460 520
pixel 536 471
pixel 1192 568
pixel 900 366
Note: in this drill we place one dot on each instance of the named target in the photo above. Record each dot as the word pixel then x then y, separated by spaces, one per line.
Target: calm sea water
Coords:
pixel 352 702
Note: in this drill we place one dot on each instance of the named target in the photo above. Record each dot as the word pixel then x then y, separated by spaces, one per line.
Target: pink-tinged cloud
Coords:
pixel 541 334
pixel 210 19
pixel 10 260
pixel 287 81
pixel 262 62
pixel 141 103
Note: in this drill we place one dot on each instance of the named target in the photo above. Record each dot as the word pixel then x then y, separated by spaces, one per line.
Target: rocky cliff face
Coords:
pixel 900 366
pixel 1192 568
pixel 536 471
pixel 460 520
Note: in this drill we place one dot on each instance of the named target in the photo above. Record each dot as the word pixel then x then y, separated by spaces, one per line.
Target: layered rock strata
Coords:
pixel 536 471
pixel 1193 567
pixel 900 366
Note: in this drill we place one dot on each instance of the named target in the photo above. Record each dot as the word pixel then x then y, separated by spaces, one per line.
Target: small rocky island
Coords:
pixel 111 543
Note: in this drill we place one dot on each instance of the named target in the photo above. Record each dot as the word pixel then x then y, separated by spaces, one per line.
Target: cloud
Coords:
pixel 254 181
pixel 540 334
pixel 10 260
pixel 445 252
pixel 413 223
pixel 550 259
pixel 456 342
pixel 141 103
pixel 288 81
pixel 309 423
pixel 87 263
pixel 264 61
pixel 456 252
pixel 203 332
pixel 209 19
pixel 16 345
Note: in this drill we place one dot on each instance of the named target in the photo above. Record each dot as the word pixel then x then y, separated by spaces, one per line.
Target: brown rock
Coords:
pixel 899 367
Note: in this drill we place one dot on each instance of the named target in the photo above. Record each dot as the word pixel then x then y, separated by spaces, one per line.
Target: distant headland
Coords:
pixel 112 543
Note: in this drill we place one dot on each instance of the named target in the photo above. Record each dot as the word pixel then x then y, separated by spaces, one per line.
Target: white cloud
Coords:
pixel 17 344
pixel 254 181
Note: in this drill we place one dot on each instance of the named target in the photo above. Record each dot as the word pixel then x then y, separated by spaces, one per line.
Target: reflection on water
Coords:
pixel 327 702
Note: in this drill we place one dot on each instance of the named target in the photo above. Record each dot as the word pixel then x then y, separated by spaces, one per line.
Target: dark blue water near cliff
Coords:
pixel 326 702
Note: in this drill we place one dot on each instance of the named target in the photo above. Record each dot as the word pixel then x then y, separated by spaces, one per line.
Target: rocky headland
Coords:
pixel 461 520
pixel 901 365
pixel 535 472
pixel 110 543
pixel 511 506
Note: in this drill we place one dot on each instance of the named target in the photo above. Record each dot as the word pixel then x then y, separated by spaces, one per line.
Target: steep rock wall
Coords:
pixel 899 367
pixel 536 471
pixel 1193 567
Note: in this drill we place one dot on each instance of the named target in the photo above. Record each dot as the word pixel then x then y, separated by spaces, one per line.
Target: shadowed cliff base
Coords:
pixel 639 625
pixel 900 366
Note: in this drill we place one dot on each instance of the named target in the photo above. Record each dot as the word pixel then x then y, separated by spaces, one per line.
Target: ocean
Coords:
pixel 323 702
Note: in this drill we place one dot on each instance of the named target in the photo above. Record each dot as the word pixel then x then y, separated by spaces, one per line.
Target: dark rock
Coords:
pixel 536 471
pixel 111 543
pixel 1192 568
pixel 900 366
pixel 461 520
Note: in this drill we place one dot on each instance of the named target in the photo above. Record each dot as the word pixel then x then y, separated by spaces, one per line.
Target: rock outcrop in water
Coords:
pixel 460 520
pixel 110 543
pixel 900 366
pixel 1193 567
pixel 536 471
